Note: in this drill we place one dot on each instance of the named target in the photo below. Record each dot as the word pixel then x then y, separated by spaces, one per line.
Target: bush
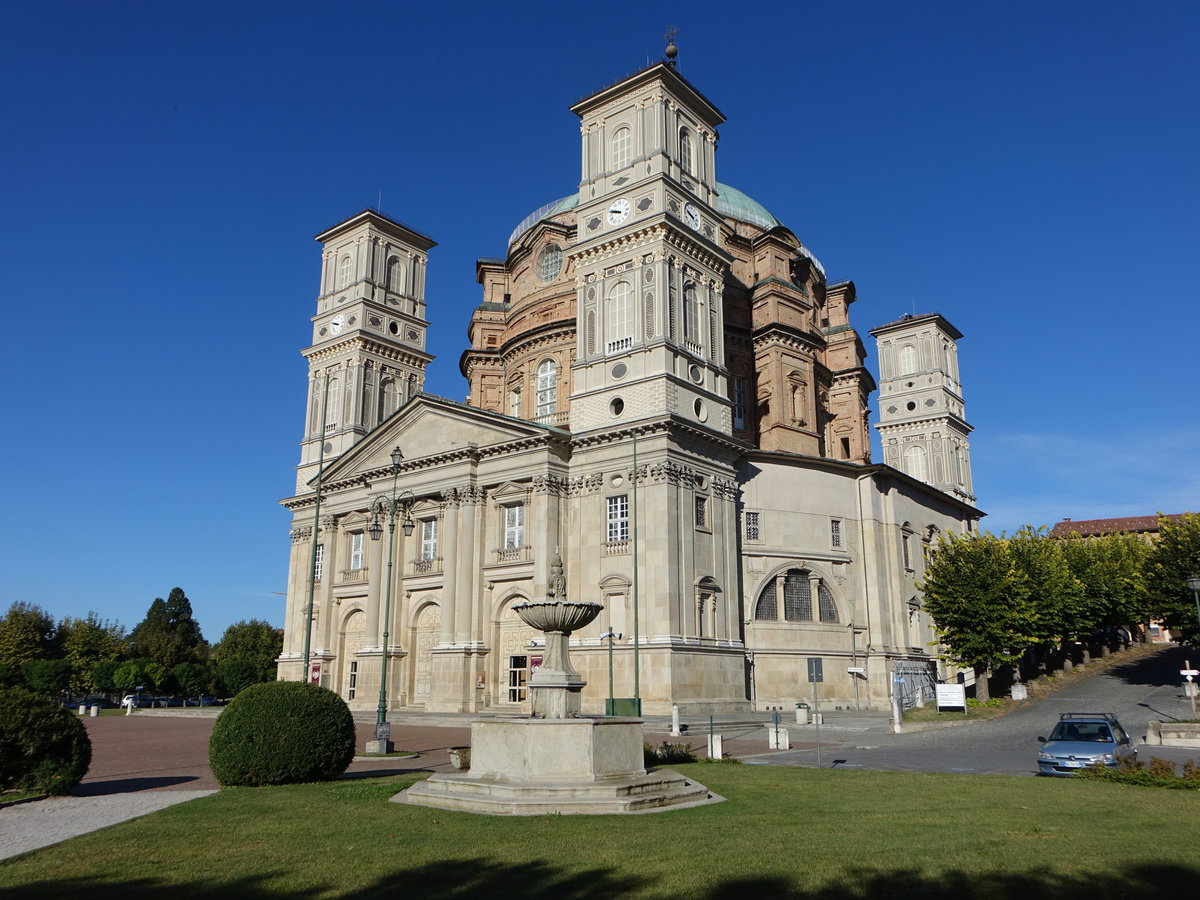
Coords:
pixel 666 753
pixel 1161 774
pixel 43 747
pixel 282 732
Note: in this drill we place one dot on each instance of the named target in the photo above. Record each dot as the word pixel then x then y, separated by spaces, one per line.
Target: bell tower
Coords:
pixel 650 270
pixel 921 422
pixel 368 346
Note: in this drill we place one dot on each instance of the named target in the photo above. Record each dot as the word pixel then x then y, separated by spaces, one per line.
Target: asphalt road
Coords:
pixel 1137 691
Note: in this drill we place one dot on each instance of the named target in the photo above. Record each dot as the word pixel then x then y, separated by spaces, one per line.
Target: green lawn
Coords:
pixel 801 833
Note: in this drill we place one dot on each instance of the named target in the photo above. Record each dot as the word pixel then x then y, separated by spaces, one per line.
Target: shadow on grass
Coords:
pixel 538 881
pixel 1157 669
pixel 129 785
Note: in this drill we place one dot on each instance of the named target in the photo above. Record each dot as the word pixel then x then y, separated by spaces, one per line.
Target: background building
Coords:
pixel 664 389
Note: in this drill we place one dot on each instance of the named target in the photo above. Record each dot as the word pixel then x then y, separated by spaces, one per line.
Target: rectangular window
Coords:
pixel 701 512
pixel 514 526
pixel 429 538
pixel 906 544
pixel 835 533
pixel 751 522
pixel 319 562
pixel 739 403
pixel 353 681
pixel 356 550
pixel 618 518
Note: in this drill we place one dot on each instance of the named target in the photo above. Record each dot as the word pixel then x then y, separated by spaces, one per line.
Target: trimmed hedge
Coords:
pixel 43 747
pixel 282 732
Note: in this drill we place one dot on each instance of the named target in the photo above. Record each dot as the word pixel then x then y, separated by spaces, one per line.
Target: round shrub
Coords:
pixel 43 747
pixel 282 732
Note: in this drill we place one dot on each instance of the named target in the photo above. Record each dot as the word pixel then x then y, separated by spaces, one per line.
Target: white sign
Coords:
pixel 1189 673
pixel 951 695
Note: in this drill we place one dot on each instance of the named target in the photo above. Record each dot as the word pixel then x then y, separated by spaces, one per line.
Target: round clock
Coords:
pixel 336 325
pixel 619 211
pixel 691 216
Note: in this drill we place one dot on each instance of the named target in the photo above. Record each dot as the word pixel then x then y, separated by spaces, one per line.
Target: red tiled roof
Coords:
pixel 1124 525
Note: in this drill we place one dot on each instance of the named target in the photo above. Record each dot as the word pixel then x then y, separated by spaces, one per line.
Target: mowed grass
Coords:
pixel 783 832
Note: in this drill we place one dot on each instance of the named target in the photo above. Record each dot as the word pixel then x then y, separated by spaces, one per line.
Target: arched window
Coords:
pixel 828 609
pixel 908 359
pixel 620 149
pixel 547 388
pixel 344 272
pixel 395 276
pixel 389 394
pixel 549 263
pixel 620 317
pixel 332 403
pixel 767 607
pixel 915 463
pixel 685 150
pixel 691 313
pixel 797 596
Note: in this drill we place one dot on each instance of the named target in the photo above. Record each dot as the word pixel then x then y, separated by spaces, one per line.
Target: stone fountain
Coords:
pixel 557 761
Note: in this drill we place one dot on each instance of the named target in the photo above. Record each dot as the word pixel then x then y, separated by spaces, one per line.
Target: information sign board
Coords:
pixel 951 695
pixel 815 670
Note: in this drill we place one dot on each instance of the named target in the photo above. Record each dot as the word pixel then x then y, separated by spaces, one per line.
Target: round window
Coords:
pixel 549 263
pixel 701 411
pixel 617 406
pixel 910 406
pixel 619 370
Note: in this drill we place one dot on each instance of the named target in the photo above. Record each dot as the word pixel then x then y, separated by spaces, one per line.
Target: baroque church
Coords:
pixel 664 390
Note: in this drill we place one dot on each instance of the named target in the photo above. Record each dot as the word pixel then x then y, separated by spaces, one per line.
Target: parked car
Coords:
pixel 139 702
pixel 1080 740
pixel 202 701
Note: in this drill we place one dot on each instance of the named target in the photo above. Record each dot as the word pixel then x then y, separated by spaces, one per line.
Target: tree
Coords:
pixel 169 635
pixel 257 642
pixel 87 642
pixel 1111 569
pixel 237 673
pixel 128 675
pixel 193 678
pixel 26 633
pixel 103 676
pixel 979 603
pixel 47 677
pixel 1173 558
pixel 1049 590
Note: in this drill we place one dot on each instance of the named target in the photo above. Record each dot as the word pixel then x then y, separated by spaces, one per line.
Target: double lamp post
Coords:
pixel 397 506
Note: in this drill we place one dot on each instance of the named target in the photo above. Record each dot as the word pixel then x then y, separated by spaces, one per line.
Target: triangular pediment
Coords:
pixel 428 429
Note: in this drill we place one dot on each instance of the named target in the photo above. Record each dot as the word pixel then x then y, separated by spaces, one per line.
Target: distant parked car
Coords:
pixel 137 701
pixel 202 701
pixel 1080 740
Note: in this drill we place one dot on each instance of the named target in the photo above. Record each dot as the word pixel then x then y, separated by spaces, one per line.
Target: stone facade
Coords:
pixel 664 390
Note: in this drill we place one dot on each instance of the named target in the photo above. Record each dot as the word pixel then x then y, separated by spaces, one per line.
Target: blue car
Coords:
pixel 1080 740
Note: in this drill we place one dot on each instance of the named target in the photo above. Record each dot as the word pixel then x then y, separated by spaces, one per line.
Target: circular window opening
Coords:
pixel 619 370
pixel 695 374
pixel 910 406
pixel 549 263
pixel 617 406
pixel 394 328
pixel 701 410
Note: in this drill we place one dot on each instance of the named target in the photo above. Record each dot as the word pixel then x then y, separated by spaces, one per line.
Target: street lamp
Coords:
pixel 392 507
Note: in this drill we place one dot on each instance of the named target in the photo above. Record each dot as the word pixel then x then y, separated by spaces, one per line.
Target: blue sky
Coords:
pixel 1026 169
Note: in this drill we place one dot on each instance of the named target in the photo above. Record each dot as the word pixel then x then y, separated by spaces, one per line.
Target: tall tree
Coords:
pixel 979 603
pixel 1175 557
pixel 1049 589
pixel 48 677
pixel 86 642
pixel 26 633
pixel 169 635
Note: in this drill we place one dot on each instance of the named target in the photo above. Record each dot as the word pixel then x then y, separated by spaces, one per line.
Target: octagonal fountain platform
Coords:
pixel 557 761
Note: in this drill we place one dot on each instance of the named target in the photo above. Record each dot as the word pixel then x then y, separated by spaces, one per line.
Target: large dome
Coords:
pixel 730 202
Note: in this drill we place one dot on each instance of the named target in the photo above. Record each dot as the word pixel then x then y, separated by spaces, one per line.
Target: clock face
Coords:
pixel 336 325
pixel 691 215
pixel 618 212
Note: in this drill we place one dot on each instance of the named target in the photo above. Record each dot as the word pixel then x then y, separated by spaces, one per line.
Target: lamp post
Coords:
pixel 392 507
pixel 611 636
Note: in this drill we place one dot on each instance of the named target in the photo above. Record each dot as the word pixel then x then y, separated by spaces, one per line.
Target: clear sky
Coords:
pixel 1027 169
